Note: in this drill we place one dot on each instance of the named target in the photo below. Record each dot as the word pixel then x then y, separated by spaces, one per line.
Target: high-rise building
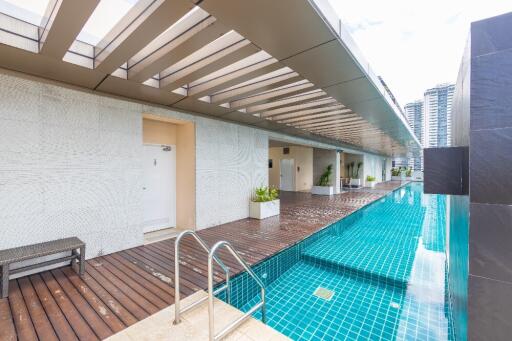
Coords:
pixel 414 114
pixel 430 119
pixel 438 116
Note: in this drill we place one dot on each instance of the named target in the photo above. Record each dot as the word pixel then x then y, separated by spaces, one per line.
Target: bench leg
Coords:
pixel 81 267
pixel 4 285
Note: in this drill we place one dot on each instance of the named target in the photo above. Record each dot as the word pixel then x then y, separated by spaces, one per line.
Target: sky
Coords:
pixel 414 45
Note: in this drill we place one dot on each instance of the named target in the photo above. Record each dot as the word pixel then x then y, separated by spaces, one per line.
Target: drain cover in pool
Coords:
pixel 323 293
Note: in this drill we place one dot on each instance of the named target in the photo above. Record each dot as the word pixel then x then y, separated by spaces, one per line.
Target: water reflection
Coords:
pixel 424 314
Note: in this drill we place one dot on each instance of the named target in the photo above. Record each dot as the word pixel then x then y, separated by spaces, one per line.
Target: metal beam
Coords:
pixel 295 99
pixel 167 51
pixel 342 127
pixel 354 128
pixel 63 21
pixel 268 96
pixel 329 122
pixel 328 111
pixel 333 118
pixel 208 64
pixel 143 23
pixel 305 112
pixel 236 73
pixel 295 108
pixel 262 83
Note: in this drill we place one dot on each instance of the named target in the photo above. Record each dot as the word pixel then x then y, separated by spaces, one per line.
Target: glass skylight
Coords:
pixel 31 11
pixel 103 19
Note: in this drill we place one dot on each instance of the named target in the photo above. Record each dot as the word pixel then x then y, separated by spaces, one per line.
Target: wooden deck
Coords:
pixel 125 287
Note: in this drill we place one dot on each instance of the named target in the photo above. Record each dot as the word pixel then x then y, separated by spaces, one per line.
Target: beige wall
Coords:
pixel 158 132
pixel 182 135
pixel 303 157
pixel 186 176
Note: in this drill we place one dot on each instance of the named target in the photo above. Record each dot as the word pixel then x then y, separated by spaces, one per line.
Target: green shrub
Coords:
pixel 265 193
pixel 370 178
pixel 396 171
pixel 325 179
pixel 408 172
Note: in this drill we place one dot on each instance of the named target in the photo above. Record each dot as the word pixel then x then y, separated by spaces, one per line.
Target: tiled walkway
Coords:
pixel 125 287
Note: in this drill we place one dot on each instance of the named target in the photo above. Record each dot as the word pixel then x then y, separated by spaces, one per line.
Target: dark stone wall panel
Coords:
pixel 491 90
pixel 491 35
pixel 491 166
pixel 490 310
pixel 490 241
pixel 446 170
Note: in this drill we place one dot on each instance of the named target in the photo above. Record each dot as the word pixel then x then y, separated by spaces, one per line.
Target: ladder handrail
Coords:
pixel 177 299
pixel 260 305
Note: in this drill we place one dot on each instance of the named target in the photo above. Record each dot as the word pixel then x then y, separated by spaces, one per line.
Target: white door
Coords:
pixel 159 187
pixel 287 167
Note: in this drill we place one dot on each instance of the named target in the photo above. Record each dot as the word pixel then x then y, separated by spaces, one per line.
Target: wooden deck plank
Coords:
pixel 135 286
pixel 164 257
pixel 59 322
pixel 146 258
pixel 166 287
pixel 141 301
pixel 94 319
pixel 113 322
pixel 7 330
pixel 191 258
pixel 120 289
pixel 22 321
pixel 39 318
pixel 122 313
pixel 162 294
pixel 77 322
pixel 122 299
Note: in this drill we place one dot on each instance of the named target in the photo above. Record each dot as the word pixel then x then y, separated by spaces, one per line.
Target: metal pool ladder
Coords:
pixel 211 293
pixel 237 322
pixel 177 300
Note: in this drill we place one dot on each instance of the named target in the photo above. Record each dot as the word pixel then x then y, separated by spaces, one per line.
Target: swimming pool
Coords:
pixel 378 274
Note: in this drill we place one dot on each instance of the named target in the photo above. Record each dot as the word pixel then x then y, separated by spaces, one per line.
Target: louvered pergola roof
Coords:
pixel 287 65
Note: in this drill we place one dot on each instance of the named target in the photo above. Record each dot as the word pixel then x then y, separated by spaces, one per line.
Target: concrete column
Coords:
pixel 323 158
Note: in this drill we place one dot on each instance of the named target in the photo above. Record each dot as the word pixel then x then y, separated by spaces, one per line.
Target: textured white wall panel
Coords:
pixel 70 164
pixel 231 161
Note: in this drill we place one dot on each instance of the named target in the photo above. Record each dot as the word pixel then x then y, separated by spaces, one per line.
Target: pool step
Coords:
pixel 382 262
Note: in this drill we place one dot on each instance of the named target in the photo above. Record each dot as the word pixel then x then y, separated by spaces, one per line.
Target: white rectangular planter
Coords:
pixel 322 190
pixel 396 178
pixel 262 210
pixel 355 182
pixel 370 184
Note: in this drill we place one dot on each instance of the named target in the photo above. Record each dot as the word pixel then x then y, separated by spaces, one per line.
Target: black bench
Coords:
pixel 18 254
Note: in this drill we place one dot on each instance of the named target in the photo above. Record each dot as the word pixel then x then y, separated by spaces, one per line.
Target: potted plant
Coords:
pixel 370 181
pixel 354 179
pixel 396 174
pixel 324 186
pixel 264 203
pixel 408 174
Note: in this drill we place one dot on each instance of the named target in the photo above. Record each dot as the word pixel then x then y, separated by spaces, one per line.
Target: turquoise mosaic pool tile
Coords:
pixel 385 264
pixel 358 310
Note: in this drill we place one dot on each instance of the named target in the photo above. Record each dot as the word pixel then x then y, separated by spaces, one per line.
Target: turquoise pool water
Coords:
pixel 384 267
